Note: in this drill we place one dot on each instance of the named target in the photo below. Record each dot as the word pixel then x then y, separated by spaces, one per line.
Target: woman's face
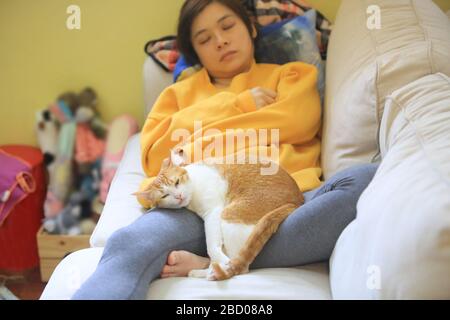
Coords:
pixel 222 41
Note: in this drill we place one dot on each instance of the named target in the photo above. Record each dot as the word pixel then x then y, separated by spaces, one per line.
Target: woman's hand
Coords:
pixel 263 97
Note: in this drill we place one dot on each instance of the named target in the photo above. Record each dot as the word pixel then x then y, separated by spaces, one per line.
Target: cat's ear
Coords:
pixel 147 195
pixel 167 163
pixel 178 157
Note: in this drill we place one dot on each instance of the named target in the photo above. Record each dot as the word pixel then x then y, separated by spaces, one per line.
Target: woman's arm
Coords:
pixel 296 111
pixel 166 117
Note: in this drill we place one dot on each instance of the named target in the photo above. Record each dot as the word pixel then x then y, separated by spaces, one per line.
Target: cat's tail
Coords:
pixel 262 232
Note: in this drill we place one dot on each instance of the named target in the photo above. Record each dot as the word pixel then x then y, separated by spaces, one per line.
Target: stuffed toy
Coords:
pixel 73 137
pixel 47 135
pixel 89 185
pixel 61 177
pixel 87 113
pixel 70 137
pixel 68 220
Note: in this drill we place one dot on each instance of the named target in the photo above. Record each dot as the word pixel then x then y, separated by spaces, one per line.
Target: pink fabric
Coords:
pixel 111 161
pixel 16 182
pixel 88 148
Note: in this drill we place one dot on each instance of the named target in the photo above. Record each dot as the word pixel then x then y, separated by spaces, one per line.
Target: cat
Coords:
pixel 240 207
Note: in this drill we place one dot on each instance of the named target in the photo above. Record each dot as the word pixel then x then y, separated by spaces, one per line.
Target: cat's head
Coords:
pixel 170 189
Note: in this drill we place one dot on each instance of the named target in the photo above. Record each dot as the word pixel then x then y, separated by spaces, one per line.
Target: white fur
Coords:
pixel 208 191
pixel 234 237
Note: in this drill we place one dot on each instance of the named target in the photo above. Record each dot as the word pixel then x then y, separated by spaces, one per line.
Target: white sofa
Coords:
pixel 388 97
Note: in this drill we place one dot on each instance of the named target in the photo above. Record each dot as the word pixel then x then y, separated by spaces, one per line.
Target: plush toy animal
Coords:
pixel 68 220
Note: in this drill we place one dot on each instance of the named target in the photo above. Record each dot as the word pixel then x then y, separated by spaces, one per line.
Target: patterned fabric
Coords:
pixel 164 51
pixel 292 40
pixel 88 148
pixel 265 12
pixel 262 12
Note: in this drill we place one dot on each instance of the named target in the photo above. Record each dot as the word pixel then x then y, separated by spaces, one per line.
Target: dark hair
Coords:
pixel 190 10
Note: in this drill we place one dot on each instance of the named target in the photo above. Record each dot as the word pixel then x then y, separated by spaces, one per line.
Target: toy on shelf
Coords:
pixel 72 136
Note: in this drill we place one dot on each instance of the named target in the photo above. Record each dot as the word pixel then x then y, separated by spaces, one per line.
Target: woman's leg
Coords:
pixel 135 255
pixel 310 233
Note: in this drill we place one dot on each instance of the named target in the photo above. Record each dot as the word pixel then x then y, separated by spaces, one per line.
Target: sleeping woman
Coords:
pixel 230 92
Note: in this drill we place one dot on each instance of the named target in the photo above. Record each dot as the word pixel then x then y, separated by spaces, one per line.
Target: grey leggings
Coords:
pixel 135 255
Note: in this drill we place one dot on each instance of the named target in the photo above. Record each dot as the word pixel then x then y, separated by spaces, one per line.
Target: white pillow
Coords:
pixel 399 245
pixel 155 79
pixel 365 65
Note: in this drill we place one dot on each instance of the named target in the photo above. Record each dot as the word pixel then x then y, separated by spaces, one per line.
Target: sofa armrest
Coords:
pixel 121 207
pixel 398 246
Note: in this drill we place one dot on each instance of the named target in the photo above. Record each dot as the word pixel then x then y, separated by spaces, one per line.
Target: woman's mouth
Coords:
pixel 227 56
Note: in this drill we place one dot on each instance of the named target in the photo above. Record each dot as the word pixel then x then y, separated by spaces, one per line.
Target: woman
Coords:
pixel 230 92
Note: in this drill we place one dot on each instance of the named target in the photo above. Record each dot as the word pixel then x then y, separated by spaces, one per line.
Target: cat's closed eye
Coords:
pixel 177 183
pixel 164 196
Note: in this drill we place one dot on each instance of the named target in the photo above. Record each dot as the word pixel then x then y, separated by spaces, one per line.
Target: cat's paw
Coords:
pixel 211 274
pixel 198 273
pixel 221 271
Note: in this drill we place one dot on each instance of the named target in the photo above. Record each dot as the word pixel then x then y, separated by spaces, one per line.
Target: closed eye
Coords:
pixel 228 27
pixel 205 41
pixel 177 183
pixel 164 196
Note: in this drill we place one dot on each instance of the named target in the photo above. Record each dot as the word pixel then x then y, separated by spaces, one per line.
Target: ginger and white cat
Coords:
pixel 240 207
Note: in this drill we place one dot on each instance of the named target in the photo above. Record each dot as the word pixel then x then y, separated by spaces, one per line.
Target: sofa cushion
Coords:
pixel 307 282
pixel 365 65
pixel 399 245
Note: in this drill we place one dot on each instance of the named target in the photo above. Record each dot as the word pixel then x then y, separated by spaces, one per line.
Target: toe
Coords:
pixel 172 259
pixel 167 275
pixel 168 269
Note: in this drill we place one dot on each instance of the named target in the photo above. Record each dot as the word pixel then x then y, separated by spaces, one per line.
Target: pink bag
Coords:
pixel 16 182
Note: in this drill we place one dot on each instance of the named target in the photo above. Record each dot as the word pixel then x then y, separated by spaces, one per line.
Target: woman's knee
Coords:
pixel 364 173
pixel 157 230
pixel 356 178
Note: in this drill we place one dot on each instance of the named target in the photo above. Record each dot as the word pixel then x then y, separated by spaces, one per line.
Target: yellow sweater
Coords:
pixel 296 113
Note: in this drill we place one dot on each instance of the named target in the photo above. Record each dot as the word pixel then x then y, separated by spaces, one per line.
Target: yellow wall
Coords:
pixel 40 58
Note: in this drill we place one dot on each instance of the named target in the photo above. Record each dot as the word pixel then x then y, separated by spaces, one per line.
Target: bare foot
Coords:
pixel 179 263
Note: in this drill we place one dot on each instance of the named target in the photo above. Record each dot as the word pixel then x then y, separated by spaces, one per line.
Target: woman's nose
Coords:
pixel 221 41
